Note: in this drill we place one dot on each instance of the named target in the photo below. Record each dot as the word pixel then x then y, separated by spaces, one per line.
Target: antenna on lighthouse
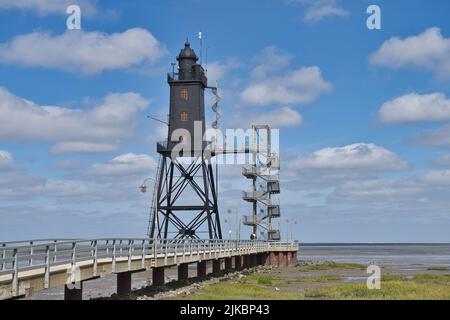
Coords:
pixel 200 37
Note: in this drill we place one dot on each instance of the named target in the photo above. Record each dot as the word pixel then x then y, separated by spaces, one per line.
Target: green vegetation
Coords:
pixel 443 279
pixel 332 265
pixel 243 291
pixel 427 287
pixel 392 277
pixel 438 269
pixel 321 284
pixel 319 278
pixel 262 279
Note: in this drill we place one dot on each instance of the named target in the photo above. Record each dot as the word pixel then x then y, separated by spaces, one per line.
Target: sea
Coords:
pixel 395 256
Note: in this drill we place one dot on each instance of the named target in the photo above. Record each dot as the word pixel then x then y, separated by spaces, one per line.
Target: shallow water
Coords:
pixel 393 256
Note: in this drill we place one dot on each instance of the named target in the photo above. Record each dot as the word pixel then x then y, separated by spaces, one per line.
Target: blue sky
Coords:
pixel 363 114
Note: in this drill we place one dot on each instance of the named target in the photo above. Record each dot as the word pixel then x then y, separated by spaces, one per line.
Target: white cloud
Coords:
pixel 300 86
pixel 270 61
pixel 18 183
pixel 271 84
pixel 124 166
pixel 83 52
pixel 436 178
pixel 6 160
pixel 374 190
pixel 317 10
pixel 217 71
pixel 44 7
pixel 68 164
pixel 279 118
pixel 355 157
pixel 116 180
pixel 83 147
pixel 102 128
pixel 437 138
pixel 429 50
pixel 414 107
pixel 443 161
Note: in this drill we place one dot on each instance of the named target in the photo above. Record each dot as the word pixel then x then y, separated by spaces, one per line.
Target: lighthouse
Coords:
pixel 187 105
pixel 184 204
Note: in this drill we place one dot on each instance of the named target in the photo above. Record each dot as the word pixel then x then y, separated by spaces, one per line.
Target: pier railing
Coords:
pixel 21 256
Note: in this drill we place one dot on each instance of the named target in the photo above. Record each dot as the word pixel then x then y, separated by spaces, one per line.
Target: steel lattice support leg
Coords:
pixel 173 218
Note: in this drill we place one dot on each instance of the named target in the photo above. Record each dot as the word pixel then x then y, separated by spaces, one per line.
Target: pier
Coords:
pixel 31 266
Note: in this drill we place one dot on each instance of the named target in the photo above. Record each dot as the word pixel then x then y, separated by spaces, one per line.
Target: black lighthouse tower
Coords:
pixel 185 197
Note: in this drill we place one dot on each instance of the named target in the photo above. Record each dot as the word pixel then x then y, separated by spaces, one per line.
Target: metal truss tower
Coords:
pixel 185 196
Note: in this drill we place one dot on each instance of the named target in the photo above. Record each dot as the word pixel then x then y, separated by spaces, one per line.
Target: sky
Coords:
pixel 363 114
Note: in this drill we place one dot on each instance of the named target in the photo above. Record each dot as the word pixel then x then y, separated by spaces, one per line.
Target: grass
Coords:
pixel 319 278
pixel 262 279
pixel 243 291
pixel 332 265
pixel 438 269
pixel 393 287
pixel 443 279
pixel 419 287
pixel 393 278
pixel 251 287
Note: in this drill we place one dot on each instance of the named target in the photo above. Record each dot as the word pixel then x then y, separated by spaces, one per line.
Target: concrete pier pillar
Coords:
pixel 201 269
pixel 253 260
pixel 238 262
pixel 267 259
pixel 158 277
pixel 246 261
pixel 273 259
pixel 123 283
pixel 288 259
pixel 183 272
pixel 216 266
pixel 73 292
pixel 279 258
pixel 283 259
pixel 259 259
pixel 228 264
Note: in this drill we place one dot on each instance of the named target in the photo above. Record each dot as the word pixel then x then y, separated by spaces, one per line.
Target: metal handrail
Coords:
pixel 45 255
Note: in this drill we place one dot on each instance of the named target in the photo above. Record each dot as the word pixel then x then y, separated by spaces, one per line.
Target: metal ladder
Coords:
pixel 155 191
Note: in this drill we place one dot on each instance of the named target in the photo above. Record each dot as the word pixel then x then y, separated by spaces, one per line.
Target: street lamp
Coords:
pixel 287 230
pixel 143 186
pixel 294 222
pixel 238 223
pixel 228 221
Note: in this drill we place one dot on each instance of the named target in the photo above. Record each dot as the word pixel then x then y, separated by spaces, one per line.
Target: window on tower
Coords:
pixel 184 95
pixel 184 116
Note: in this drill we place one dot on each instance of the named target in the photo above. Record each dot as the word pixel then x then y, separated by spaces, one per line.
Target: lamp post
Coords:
pixel 238 222
pixel 293 222
pixel 143 186
pixel 143 189
pixel 287 230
